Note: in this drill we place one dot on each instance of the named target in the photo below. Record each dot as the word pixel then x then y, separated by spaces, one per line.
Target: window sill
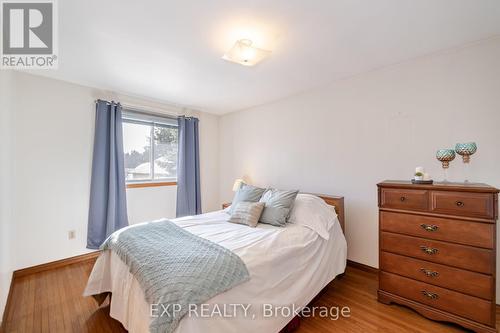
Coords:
pixel 150 184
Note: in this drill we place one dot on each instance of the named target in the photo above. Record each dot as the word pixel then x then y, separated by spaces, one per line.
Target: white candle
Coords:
pixel 427 176
pixel 419 169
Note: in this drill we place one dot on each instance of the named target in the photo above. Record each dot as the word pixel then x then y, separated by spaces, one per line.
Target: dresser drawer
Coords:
pixel 457 231
pixel 404 199
pixel 461 256
pixel 447 300
pixel 463 204
pixel 475 284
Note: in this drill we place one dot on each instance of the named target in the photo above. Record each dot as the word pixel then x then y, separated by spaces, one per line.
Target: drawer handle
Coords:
pixel 429 273
pixel 459 204
pixel 430 295
pixel 429 250
pixel 402 199
pixel 429 227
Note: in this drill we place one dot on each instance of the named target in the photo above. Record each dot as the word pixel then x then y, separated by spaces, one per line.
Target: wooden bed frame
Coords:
pixel 338 203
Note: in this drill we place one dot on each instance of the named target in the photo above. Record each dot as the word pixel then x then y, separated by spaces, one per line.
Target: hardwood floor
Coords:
pixel 51 301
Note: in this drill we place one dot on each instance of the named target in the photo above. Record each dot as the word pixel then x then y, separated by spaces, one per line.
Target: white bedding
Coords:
pixel 287 266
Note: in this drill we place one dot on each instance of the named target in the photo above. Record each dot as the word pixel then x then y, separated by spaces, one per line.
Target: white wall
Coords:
pixel 52 150
pixel 344 138
pixel 52 136
pixel 209 159
pixel 151 203
pixel 5 187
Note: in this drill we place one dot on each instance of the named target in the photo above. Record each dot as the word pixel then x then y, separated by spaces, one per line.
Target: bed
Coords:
pixel 288 267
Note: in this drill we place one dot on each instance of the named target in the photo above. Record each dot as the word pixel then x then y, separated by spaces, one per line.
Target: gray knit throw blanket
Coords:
pixel 175 267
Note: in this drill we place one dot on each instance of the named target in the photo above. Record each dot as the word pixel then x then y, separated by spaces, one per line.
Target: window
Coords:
pixel 150 147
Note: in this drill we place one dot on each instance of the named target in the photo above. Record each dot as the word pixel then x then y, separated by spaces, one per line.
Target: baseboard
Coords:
pixel 361 266
pixel 55 264
pixel 95 254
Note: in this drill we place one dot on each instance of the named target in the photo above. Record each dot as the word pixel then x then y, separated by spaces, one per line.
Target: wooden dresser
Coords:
pixel 437 250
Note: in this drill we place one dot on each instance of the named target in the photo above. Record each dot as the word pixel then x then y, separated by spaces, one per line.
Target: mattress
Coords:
pixel 288 267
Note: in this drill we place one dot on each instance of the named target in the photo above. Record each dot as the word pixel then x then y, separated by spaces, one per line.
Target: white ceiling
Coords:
pixel 171 50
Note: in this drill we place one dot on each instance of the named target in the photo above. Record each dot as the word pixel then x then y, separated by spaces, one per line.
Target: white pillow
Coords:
pixel 313 212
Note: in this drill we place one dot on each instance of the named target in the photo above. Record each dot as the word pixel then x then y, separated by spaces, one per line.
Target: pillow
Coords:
pixel 248 213
pixel 313 212
pixel 278 206
pixel 246 193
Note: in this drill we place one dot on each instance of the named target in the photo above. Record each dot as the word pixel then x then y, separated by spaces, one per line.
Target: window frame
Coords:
pixel 131 116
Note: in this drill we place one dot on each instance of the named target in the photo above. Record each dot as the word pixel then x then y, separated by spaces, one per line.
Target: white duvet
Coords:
pixel 288 266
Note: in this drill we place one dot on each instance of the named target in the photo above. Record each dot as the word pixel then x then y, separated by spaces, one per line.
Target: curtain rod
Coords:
pixel 145 112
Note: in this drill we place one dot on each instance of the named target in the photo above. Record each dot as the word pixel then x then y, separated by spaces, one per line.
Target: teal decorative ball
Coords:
pixel 445 155
pixel 466 148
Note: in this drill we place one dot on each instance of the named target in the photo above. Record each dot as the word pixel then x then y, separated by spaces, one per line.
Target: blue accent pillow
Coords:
pixel 278 206
pixel 247 193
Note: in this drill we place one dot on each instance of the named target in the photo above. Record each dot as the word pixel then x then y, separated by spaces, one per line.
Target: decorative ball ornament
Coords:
pixel 466 150
pixel 445 156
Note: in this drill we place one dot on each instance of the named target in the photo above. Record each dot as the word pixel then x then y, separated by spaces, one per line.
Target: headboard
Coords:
pixel 338 202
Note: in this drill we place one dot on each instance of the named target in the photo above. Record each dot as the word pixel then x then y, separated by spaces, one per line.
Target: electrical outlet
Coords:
pixel 71 234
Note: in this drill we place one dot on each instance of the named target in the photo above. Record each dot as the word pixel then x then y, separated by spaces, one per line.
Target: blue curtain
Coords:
pixel 108 205
pixel 188 168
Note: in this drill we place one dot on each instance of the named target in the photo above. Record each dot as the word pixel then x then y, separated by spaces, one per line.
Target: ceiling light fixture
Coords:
pixel 245 54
